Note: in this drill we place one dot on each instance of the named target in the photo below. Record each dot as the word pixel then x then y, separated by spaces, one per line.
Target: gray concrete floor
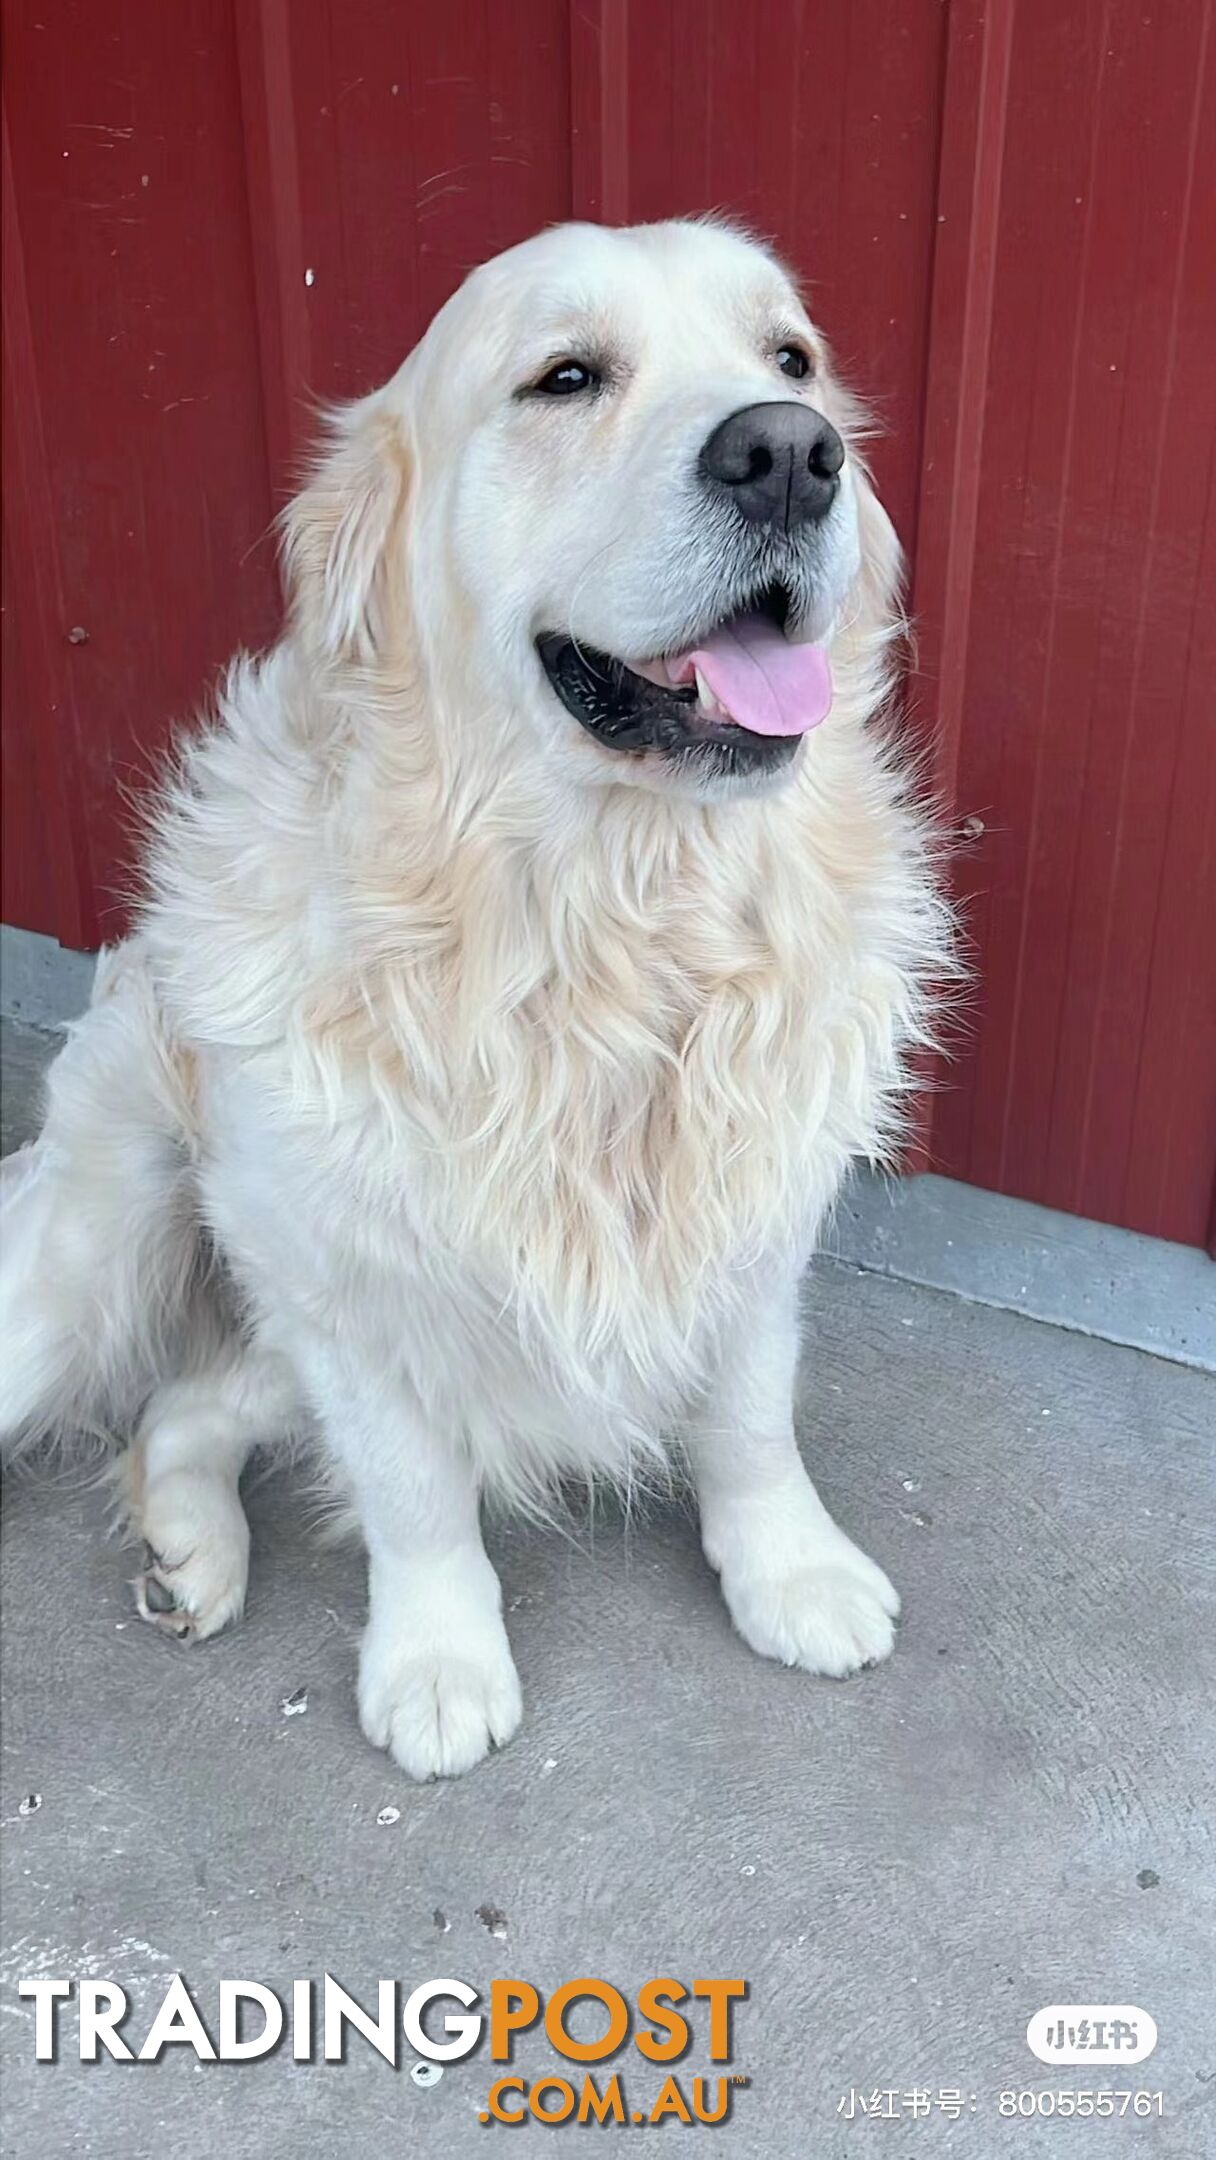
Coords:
pixel 1017 1810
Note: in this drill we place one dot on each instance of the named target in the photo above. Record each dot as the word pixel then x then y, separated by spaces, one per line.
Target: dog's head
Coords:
pixel 615 492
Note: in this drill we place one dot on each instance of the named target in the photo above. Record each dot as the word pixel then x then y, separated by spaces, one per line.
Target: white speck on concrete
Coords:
pixel 389 1815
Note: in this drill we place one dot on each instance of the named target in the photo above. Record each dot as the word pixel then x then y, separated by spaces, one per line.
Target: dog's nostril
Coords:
pixel 760 463
pixel 826 455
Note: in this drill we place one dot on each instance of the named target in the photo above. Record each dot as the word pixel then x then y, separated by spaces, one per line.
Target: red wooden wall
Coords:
pixel 220 209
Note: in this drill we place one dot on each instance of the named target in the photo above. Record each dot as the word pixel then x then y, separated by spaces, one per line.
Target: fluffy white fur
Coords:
pixel 468 1092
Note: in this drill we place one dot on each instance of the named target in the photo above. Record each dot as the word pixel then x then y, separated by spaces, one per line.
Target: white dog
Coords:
pixel 528 948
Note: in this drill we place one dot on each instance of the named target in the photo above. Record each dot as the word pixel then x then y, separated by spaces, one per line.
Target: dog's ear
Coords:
pixel 880 577
pixel 341 535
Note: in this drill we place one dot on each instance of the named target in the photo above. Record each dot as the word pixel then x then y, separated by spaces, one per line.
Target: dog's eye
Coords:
pixel 567 379
pixel 793 361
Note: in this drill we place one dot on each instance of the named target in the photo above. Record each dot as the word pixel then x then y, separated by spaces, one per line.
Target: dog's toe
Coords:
pixel 155 1602
pixel 439 1713
pixel 197 1558
pixel 832 1619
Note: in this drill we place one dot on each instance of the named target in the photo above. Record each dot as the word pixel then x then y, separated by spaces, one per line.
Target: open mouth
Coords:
pixel 739 699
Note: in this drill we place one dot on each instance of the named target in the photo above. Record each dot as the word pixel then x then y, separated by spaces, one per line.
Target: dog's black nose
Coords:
pixel 779 463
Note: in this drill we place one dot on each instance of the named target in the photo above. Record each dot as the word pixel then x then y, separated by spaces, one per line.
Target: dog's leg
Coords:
pixel 182 1477
pixel 437 1682
pixel 797 1588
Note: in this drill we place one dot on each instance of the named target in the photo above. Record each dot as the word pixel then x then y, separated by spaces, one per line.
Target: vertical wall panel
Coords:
pixel 223 211
pixel 129 201
pixel 46 871
pixel 1086 746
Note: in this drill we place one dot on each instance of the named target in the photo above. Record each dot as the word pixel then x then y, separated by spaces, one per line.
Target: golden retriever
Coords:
pixel 530 942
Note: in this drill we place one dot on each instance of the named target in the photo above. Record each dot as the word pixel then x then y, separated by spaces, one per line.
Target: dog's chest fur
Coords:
pixel 606 1091
pixel 580 1088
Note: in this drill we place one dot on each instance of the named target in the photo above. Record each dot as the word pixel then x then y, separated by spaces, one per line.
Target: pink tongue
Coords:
pixel 765 685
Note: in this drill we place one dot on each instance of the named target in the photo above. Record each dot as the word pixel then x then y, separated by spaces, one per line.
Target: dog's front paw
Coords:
pixel 831 1617
pixel 438 1712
